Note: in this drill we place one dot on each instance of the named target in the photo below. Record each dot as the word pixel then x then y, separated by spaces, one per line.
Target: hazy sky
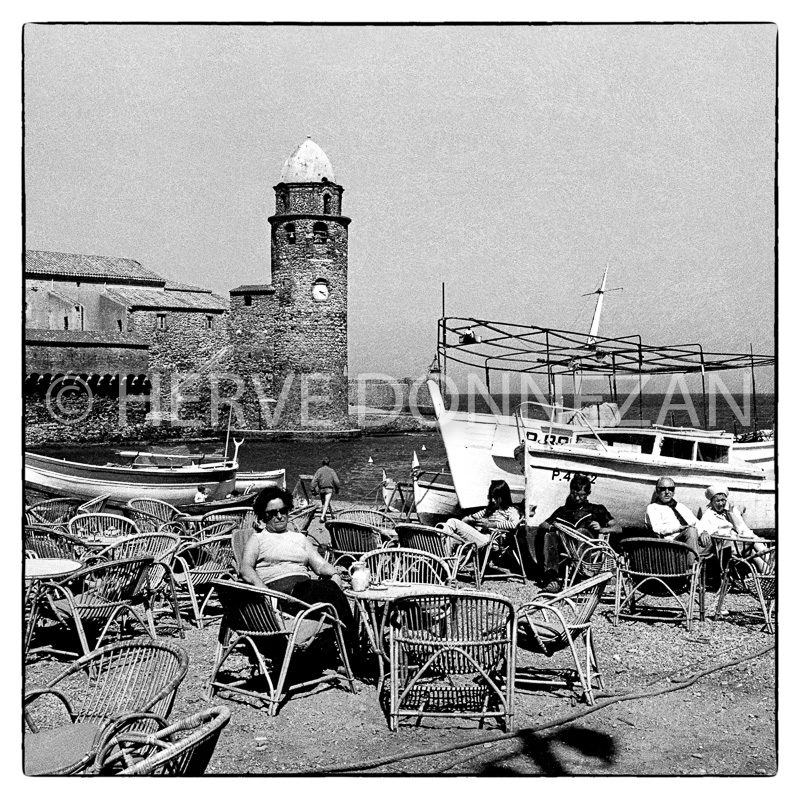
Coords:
pixel 511 163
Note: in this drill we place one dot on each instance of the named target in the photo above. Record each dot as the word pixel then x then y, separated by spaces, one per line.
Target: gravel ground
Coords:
pixel 724 724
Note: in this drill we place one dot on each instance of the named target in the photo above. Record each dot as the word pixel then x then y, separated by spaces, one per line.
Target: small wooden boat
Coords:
pixel 435 497
pixel 174 484
pixel 255 481
pixel 234 501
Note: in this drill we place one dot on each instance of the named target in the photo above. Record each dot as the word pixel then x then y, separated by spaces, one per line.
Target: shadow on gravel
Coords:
pixel 538 755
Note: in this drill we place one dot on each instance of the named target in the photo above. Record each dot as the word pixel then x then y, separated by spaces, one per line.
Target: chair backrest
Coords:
pixel 58 509
pixel 353 537
pixel 420 536
pixel 248 609
pixel 210 558
pixel 589 555
pixel 469 627
pixel 158 546
pixel 405 566
pixel 239 539
pixel 374 518
pixel 658 557
pixel 150 514
pixel 47 542
pixel 89 525
pixel 183 748
pixel 301 518
pixel 240 517
pixel 96 505
pixel 130 676
pixel 212 529
pixel 112 582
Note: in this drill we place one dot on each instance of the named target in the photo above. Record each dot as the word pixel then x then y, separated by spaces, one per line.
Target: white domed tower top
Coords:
pixel 307 164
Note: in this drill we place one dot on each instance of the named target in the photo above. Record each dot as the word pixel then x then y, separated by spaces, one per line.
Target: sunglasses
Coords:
pixel 666 488
pixel 271 514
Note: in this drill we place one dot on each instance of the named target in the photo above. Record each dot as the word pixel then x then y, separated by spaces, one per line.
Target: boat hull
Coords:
pixel 760 453
pixel 625 483
pixel 248 482
pixel 435 497
pixel 177 486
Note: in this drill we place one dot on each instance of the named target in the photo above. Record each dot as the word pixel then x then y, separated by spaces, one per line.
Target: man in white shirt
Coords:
pixel 673 521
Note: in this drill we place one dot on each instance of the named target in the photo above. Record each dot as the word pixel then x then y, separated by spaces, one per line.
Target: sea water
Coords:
pixel 360 462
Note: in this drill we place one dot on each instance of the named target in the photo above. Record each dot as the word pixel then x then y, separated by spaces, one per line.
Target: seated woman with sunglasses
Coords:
pixel 282 560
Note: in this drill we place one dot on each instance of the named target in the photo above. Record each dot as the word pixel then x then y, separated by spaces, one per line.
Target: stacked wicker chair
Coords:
pixel 90 526
pixel 396 565
pixel 102 694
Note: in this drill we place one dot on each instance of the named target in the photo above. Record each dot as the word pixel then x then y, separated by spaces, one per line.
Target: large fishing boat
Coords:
pixel 480 446
pixel 625 463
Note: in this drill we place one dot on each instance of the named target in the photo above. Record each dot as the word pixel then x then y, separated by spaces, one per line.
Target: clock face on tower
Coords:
pixel 320 291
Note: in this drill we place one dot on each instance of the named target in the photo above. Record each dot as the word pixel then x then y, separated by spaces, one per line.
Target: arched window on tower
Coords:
pixel 320 233
pixel 290 235
pixel 326 203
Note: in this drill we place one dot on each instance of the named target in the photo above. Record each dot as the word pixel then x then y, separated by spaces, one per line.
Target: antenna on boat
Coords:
pixel 598 308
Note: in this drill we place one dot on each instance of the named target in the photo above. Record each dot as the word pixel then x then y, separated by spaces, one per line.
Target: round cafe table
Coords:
pixel 374 604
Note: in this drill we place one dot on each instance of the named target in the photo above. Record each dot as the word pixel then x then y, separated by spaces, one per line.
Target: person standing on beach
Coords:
pixel 325 482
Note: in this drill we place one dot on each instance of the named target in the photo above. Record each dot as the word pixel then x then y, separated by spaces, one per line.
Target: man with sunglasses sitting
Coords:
pixel 673 521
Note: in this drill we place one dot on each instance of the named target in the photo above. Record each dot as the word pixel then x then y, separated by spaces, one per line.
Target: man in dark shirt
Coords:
pixel 325 482
pixel 543 541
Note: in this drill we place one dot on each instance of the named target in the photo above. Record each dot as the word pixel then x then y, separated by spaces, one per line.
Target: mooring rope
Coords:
pixel 565 719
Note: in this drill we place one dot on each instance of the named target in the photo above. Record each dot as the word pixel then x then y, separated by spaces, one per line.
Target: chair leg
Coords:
pixel 723 590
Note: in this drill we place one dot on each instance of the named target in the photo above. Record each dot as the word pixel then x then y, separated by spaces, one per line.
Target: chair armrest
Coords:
pixel 32 696
pixel 115 726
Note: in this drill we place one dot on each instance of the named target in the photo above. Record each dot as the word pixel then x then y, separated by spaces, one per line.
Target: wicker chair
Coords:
pixel 552 623
pixel 96 505
pixel 374 518
pixel 161 547
pixel 58 509
pixel 48 541
pixel 182 749
pixel 99 595
pixel 99 692
pixel 503 556
pixel 452 655
pixel 252 623
pixel 438 542
pixel 300 518
pixel 196 568
pixel 241 517
pixel 584 557
pixel 351 540
pixel 741 569
pixel 393 564
pixel 105 525
pixel 217 527
pixel 653 567
pixel 150 514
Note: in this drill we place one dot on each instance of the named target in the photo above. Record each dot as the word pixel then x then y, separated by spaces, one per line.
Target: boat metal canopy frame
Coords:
pixel 500 346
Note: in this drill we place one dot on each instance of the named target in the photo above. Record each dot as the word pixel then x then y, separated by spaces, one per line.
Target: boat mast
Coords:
pixel 598 309
pixel 753 384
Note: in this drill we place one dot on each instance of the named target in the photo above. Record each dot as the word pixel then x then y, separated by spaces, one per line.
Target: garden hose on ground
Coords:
pixel 566 719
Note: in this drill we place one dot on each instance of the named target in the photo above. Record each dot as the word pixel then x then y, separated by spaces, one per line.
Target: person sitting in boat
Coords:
pixel 201 495
pixel 721 517
pixel 672 520
pixel 325 482
pixel 499 514
pixel 543 542
pixel 278 558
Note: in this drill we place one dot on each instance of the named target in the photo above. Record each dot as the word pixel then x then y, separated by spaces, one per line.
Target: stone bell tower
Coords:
pixel 309 276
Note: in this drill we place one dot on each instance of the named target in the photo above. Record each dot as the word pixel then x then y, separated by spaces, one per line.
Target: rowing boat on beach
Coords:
pixel 174 484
